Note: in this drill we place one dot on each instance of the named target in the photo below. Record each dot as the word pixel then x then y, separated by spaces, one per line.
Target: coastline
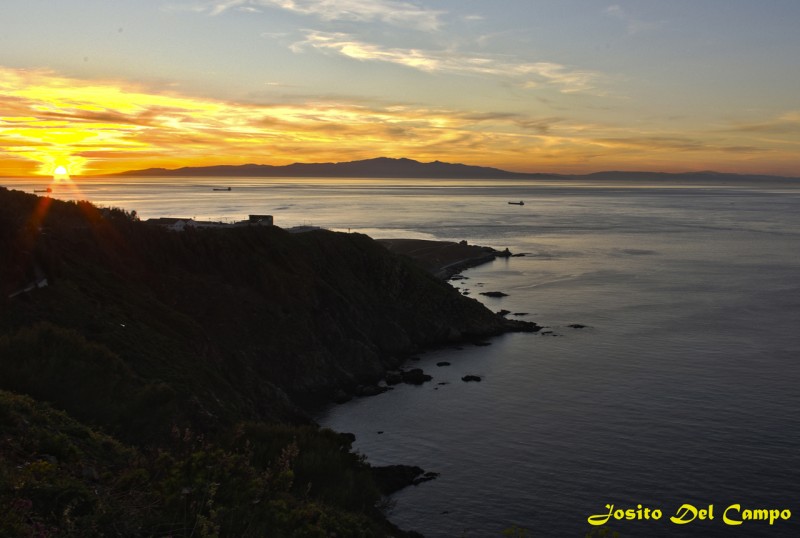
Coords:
pixel 443 259
pixel 200 331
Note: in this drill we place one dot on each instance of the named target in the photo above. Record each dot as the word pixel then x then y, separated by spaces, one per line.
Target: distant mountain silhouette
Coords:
pixel 385 167
pixel 382 167
pixel 707 175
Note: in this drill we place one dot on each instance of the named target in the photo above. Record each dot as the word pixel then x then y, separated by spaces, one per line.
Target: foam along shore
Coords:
pixel 443 258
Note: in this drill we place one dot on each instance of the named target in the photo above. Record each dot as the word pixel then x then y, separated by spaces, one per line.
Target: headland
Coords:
pixel 173 369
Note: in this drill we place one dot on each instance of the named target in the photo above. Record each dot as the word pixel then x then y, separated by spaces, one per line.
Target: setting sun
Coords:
pixel 60 172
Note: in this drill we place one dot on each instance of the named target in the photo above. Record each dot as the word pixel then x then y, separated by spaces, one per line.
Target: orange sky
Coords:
pixel 105 127
pixel 96 127
pixel 558 86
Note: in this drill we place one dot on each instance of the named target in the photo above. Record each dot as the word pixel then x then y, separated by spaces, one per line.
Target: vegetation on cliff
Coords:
pixel 59 477
pixel 194 352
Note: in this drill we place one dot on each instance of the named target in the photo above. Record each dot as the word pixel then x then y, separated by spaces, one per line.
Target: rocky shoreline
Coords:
pixel 217 338
pixel 443 259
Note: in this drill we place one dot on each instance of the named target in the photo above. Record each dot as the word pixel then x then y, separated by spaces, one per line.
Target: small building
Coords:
pixel 261 220
pixel 172 223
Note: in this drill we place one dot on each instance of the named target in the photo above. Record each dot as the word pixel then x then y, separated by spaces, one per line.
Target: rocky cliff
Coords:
pixel 146 332
pixel 237 322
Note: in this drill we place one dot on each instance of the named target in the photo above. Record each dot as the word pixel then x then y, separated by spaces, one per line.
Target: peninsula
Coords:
pixel 155 382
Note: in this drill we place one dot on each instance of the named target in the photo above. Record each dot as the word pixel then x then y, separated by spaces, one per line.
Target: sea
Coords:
pixel 662 396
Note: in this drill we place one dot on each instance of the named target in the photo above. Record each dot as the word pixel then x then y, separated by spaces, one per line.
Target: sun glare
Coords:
pixel 60 173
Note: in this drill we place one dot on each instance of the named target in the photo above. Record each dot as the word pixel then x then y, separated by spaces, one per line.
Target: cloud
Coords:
pixel 786 123
pixel 110 126
pixel 219 6
pixel 530 74
pixel 633 25
pixel 394 12
pixel 659 143
pixel 96 126
pixel 743 149
pixel 672 144
pixel 540 125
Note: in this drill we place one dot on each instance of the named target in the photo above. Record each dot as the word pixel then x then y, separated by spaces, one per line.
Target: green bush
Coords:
pixel 58 477
pixel 62 367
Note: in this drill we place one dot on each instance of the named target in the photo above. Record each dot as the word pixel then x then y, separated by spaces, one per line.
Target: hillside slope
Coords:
pixel 224 334
pixel 223 324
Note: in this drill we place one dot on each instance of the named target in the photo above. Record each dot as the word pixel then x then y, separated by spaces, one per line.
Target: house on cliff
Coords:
pixel 171 223
pixel 180 224
pixel 260 220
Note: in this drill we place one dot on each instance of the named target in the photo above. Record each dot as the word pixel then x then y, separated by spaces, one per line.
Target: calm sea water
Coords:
pixel 683 388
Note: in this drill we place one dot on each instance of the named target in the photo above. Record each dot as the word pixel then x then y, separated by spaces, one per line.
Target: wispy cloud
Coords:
pixel 632 24
pixel 394 12
pixel 529 74
pixel 655 144
pixel 218 6
pixel 786 123
pixel 540 125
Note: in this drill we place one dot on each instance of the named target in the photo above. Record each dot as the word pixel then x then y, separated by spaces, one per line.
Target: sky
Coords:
pixel 566 86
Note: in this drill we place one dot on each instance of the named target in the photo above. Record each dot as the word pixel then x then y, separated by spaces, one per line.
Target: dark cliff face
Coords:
pixel 200 343
pixel 215 325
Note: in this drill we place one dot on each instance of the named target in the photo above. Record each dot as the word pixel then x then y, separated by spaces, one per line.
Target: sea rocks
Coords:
pixel 524 326
pixel 443 363
pixel 494 294
pixel 348 437
pixel 430 475
pixel 394 378
pixel 393 478
pixel 577 326
pixel 415 376
pixel 471 378
pixel 370 390
pixel 503 312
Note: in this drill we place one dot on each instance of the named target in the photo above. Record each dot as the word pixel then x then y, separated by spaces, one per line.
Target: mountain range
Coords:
pixel 385 167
